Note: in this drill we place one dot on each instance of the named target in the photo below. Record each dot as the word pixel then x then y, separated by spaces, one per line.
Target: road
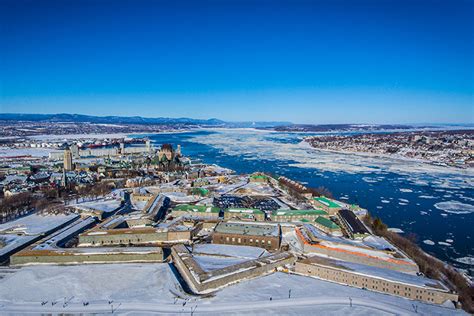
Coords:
pixel 311 305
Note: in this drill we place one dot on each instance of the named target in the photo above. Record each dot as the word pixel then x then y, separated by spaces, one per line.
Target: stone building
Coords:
pixel 200 211
pixel 353 253
pixel 296 215
pixel 375 279
pixel 352 225
pixel 167 159
pixel 68 160
pixel 122 236
pixel 201 281
pixel 326 204
pixel 262 235
pixel 327 226
pixel 244 214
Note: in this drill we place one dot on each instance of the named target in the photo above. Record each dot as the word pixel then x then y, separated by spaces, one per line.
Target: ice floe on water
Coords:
pixel 404 200
pixel 423 213
pixel 274 146
pixel 429 242
pixel 385 201
pixel 406 190
pixel 455 207
pixel 379 207
pixel 396 230
pixel 442 243
pixel 449 240
pixel 466 198
pixel 427 197
pixel 466 260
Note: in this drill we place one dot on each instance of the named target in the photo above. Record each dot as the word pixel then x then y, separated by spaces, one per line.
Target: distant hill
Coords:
pixel 79 118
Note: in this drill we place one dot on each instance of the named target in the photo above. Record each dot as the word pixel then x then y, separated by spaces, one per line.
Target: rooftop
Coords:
pixel 248 229
pixel 354 223
pixel 197 208
pixel 326 222
pixel 244 210
pixel 376 272
pixel 325 201
pixel 298 212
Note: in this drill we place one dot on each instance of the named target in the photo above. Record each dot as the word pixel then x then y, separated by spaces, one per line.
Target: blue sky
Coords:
pixel 336 61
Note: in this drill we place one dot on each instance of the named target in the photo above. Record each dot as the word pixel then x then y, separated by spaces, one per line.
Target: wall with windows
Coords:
pixel 267 242
pixel 413 292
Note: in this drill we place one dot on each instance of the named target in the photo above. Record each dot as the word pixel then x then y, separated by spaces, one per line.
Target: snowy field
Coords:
pixel 35 224
pixel 244 252
pixel 105 205
pixel 152 288
pixel 34 152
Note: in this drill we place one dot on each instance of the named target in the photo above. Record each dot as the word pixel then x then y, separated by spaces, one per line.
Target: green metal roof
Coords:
pixel 326 222
pixel 201 191
pixel 298 212
pixel 324 200
pixel 258 176
pixel 197 208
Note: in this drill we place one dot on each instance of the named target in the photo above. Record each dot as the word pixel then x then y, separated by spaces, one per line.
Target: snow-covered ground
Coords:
pixel 24 230
pixel 152 288
pixel 181 197
pixel 209 263
pixel 105 205
pixel 258 188
pixel 139 205
pixel 35 224
pixel 244 252
pixel 28 151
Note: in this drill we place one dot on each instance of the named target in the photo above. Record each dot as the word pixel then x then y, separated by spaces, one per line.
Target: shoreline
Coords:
pixel 390 157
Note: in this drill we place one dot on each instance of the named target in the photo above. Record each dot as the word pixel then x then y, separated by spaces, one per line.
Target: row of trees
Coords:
pixel 321 191
pixel 428 265
pixel 47 198
pixel 90 191
pixel 17 205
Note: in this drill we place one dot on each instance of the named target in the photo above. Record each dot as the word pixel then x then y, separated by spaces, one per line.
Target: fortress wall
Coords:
pixel 371 283
pixel 116 239
pixel 76 258
pixel 362 259
pixel 215 283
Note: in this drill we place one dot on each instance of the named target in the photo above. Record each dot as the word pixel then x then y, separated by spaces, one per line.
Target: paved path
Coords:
pixel 362 305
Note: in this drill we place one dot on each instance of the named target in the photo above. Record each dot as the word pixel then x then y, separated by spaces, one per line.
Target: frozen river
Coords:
pixel 434 203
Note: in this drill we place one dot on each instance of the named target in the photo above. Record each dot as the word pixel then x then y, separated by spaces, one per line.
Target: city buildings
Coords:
pixel 68 166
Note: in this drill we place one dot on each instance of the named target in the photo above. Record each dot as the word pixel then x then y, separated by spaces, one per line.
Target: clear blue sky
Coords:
pixel 304 61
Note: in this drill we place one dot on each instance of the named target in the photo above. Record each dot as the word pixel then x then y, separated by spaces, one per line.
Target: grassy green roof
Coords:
pixel 200 191
pixel 326 222
pixel 298 212
pixel 325 201
pixel 304 220
pixel 259 176
pixel 197 208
